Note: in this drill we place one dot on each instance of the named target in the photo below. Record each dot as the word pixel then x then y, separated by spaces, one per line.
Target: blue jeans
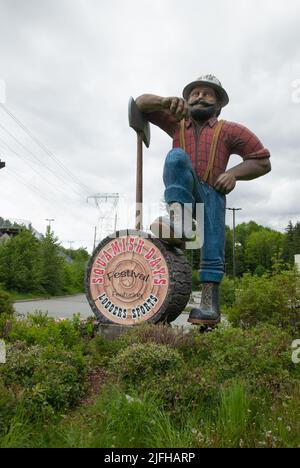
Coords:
pixel 183 186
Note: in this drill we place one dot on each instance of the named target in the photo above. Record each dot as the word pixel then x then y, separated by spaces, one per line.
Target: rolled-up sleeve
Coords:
pixel 246 144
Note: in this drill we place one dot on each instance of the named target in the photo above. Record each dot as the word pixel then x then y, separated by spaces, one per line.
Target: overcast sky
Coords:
pixel 70 66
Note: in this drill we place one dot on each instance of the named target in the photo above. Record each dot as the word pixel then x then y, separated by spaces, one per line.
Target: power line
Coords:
pixel 42 176
pixel 23 159
pixel 34 156
pixel 29 185
pixel 45 149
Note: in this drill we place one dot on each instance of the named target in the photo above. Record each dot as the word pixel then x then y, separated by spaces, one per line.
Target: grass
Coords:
pixel 214 397
pixel 118 420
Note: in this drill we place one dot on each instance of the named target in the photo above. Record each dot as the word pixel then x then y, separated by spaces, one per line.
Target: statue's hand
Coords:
pixel 177 106
pixel 225 183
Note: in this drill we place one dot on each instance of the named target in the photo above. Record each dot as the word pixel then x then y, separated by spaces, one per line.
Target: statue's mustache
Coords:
pixel 202 102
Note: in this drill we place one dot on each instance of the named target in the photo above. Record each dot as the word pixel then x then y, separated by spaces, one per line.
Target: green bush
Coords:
pixel 6 306
pixel 39 329
pixel 270 299
pixel 159 334
pixel 102 351
pixel 46 379
pixel 7 406
pixel 258 358
pixel 6 311
pixel 196 285
pixel 141 361
pixel 227 291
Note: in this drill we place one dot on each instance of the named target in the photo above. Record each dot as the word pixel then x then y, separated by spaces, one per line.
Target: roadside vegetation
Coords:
pixel 64 385
pixel 31 268
pixel 155 386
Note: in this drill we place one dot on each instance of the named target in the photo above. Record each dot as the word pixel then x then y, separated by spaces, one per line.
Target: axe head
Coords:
pixel 138 122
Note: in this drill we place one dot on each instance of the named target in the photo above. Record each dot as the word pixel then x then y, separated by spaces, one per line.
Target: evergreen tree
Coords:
pixel 52 264
pixel 262 247
pixel 19 269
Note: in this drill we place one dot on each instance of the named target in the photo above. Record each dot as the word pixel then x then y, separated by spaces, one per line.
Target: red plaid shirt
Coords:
pixel 234 139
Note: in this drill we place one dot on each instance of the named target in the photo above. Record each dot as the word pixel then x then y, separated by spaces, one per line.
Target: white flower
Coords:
pixel 132 400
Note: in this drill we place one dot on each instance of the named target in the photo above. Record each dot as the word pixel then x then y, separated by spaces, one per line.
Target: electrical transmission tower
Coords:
pixel 107 204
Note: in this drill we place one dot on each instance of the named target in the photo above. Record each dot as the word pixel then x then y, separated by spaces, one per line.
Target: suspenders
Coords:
pixel 213 149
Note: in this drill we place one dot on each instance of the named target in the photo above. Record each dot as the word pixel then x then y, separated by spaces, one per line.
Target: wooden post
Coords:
pixel 139 184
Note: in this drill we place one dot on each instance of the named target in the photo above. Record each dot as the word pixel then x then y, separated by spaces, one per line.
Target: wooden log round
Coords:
pixel 133 278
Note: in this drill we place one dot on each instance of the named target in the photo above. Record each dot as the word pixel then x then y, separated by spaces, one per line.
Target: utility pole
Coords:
pixel 234 240
pixel 95 235
pixel 70 242
pixel 49 222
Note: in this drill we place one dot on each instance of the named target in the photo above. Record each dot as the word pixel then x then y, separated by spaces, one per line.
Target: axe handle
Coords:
pixel 139 183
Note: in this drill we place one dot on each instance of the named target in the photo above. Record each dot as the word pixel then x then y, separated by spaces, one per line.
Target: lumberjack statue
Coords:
pixel 195 172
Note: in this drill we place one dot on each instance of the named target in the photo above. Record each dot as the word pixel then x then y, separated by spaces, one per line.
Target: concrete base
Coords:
pixel 112 332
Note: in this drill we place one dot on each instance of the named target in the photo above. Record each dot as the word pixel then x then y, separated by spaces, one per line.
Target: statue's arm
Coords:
pixel 247 170
pixel 174 105
pixel 256 162
pixel 251 169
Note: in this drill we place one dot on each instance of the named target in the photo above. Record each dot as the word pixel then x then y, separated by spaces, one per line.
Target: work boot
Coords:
pixel 209 311
pixel 172 229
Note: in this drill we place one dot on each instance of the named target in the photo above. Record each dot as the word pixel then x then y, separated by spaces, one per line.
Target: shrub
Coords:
pixel 227 291
pixel 196 285
pixel 7 406
pixel 258 358
pixel 159 334
pixel 6 307
pixel 6 312
pixel 39 329
pixel 102 351
pixel 142 361
pixel 46 379
pixel 271 299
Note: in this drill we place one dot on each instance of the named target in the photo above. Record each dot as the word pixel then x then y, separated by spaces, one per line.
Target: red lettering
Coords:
pixel 107 256
pixel 155 262
pixel 140 246
pixel 97 280
pixel 97 271
pixel 130 246
pixel 101 262
pixel 160 282
pixel 162 271
pixel 116 248
pixel 150 254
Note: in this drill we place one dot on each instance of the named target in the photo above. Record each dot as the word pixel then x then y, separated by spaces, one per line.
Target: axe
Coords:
pixel 142 128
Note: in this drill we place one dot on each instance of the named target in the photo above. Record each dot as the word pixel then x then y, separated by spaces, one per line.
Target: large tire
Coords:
pixel 133 278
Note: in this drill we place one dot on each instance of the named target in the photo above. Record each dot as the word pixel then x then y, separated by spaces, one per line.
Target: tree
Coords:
pixel 288 244
pixel 19 269
pixel 52 264
pixel 262 248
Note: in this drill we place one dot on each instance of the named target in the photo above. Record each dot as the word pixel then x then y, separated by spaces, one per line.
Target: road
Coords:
pixel 65 307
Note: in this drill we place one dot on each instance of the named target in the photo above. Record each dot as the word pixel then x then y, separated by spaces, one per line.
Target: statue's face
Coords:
pixel 203 103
